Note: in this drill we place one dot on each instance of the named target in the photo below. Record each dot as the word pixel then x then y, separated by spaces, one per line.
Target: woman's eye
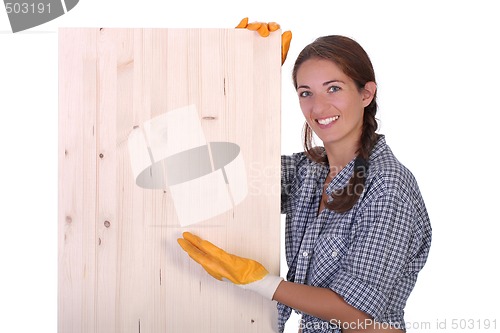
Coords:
pixel 333 89
pixel 304 94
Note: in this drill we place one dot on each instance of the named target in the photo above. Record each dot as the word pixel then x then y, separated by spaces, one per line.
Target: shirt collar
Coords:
pixel 342 178
pixel 379 147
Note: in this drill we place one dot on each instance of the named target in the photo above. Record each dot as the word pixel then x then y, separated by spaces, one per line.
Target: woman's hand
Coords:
pixel 245 273
pixel 265 29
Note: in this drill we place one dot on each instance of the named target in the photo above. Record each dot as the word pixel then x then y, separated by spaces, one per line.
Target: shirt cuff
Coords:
pixel 360 295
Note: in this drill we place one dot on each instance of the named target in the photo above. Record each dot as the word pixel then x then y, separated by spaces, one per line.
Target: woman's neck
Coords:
pixel 339 156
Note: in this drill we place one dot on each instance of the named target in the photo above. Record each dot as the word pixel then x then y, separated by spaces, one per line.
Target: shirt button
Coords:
pixel 334 253
pixel 305 253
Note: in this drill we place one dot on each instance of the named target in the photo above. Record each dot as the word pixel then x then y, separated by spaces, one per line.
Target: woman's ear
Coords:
pixel 368 93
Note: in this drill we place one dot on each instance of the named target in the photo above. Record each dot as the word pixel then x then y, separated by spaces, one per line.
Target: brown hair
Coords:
pixel 352 59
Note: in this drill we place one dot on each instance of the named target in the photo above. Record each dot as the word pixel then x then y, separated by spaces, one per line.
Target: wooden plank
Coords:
pixel 107 225
pixel 120 268
pixel 77 181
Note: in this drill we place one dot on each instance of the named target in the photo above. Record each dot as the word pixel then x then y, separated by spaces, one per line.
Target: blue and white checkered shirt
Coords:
pixel 369 255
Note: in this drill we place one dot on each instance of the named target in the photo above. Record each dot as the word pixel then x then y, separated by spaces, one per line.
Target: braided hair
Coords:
pixel 352 59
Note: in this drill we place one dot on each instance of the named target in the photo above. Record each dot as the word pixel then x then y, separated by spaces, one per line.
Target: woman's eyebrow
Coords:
pixel 333 81
pixel 303 86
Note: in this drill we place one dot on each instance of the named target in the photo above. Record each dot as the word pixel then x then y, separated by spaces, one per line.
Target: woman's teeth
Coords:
pixel 326 121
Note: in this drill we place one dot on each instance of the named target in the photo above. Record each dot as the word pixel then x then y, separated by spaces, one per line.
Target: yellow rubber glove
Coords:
pixel 245 273
pixel 264 29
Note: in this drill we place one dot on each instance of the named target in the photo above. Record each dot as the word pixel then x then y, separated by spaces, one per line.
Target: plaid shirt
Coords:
pixel 369 255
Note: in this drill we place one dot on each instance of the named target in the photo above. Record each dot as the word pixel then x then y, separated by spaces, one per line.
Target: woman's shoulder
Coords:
pixel 298 167
pixel 387 171
pixel 297 161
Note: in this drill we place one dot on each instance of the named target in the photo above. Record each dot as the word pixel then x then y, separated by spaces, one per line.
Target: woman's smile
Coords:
pixel 325 122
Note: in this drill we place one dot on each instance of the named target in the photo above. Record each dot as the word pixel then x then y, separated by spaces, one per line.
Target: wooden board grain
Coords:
pixel 120 268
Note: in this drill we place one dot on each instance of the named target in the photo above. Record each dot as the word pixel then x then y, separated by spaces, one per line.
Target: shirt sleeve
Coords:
pixel 375 269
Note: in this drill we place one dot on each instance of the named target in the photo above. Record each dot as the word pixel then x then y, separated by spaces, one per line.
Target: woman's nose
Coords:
pixel 320 105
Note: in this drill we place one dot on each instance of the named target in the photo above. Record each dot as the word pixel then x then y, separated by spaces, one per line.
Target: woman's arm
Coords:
pixel 319 302
pixel 249 274
pixel 327 305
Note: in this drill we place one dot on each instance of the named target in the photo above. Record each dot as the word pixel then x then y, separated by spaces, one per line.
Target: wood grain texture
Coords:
pixel 120 268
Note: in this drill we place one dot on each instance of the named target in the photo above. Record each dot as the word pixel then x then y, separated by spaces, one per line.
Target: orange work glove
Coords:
pixel 245 273
pixel 264 29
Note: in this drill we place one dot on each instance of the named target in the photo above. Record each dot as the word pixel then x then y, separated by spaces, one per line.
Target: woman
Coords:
pixel 357 230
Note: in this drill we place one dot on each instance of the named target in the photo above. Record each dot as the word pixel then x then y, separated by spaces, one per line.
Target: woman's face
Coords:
pixel 331 102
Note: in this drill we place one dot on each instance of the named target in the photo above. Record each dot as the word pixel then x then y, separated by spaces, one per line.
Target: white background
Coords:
pixel 438 72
